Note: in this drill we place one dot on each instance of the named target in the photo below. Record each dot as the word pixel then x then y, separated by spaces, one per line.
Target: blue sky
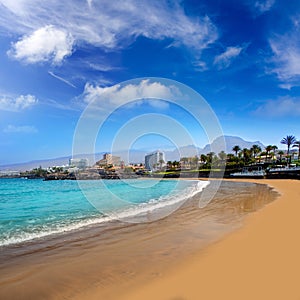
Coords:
pixel 242 56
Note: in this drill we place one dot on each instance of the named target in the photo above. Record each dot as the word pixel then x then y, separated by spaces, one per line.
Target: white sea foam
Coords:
pixel 47 231
pixel 158 208
pixel 143 212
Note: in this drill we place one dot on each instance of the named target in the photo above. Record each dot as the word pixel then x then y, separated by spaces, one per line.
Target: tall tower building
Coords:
pixel 154 160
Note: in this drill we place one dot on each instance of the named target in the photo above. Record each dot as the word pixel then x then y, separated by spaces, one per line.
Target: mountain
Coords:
pixel 230 142
pixel 216 145
pixel 138 156
pixel 45 163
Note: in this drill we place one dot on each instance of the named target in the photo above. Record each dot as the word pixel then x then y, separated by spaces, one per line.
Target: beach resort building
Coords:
pixel 154 160
pixel 109 159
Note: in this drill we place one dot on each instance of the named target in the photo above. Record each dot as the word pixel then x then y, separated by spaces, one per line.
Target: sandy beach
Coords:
pixel 244 245
pixel 259 261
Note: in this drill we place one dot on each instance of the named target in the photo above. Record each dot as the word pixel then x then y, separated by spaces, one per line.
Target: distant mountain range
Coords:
pixel 230 142
pixel 45 163
pixel 138 156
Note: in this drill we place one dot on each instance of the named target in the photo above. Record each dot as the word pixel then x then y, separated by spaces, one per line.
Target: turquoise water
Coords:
pixel 31 209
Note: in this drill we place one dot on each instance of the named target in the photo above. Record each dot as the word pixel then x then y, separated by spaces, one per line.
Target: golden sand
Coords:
pixel 259 261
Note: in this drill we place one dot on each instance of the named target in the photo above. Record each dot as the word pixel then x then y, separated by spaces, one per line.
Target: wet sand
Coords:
pixel 259 261
pixel 158 260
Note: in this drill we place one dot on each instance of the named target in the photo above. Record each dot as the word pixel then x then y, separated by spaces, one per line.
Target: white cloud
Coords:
pixel 106 24
pixel 286 86
pixel 263 6
pixel 45 44
pixel 20 129
pixel 200 65
pixel 225 59
pixel 118 95
pixel 102 67
pixel 286 58
pixel 16 104
pixel 281 107
pixel 17 6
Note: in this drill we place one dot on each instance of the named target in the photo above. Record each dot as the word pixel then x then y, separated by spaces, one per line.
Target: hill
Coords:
pixel 230 142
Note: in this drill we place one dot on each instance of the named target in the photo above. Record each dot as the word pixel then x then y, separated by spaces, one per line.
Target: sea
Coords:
pixel 32 209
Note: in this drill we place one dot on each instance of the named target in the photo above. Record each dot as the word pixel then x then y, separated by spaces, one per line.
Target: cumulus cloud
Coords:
pixel 281 107
pixel 121 94
pixel 106 24
pixel 225 59
pixel 20 129
pixel 45 44
pixel 16 104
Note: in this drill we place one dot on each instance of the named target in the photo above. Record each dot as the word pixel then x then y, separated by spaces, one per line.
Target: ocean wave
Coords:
pixel 143 212
pixel 156 209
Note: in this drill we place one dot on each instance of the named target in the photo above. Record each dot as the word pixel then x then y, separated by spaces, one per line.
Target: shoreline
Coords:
pixel 168 258
pixel 107 263
pixel 258 261
pixel 122 215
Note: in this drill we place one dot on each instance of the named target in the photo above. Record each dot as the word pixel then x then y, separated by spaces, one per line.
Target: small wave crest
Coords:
pixel 156 209
pixel 153 210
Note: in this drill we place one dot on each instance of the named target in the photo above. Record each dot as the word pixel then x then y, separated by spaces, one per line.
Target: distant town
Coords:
pixel 155 164
pixel 110 166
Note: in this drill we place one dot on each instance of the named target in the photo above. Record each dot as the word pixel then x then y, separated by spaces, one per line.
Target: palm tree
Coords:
pixel 268 150
pixel 161 162
pixel 280 153
pixel 246 154
pixel 288 140
pixel 274 148
pixel 203 158
pixel 297 145
pixel 255 150
pixel 262 154
pixel 222 155
pixel 210 156
pixel 230 157
pixel 236 149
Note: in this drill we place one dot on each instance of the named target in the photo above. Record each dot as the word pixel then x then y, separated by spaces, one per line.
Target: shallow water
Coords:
pixel 31 209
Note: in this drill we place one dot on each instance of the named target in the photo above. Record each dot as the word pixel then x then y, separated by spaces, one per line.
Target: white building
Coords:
pixel 80 163
pixel 155 160
pixel 9 173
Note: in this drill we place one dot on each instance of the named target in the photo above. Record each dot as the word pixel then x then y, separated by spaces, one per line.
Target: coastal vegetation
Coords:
pixel 227 163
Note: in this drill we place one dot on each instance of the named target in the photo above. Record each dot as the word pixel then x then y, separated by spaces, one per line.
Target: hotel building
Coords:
pixel 154 160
